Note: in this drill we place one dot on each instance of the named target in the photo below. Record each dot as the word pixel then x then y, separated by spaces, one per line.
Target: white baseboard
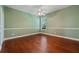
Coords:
pixel 0 48
pixel 61 36
pixel 42 33
pixel 21 36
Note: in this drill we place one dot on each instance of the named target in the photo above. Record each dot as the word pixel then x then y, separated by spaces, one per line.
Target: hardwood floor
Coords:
pixel 40 43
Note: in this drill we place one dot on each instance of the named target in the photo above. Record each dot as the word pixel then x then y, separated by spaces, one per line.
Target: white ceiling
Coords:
pixel 33 9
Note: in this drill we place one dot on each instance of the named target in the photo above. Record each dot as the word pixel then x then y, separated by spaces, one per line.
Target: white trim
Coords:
pixel 0 48
pixel 42 33
pixel 38 27
pixel 2 25
pixel 21 28
pixel 61 28
pixel 61 36
pixel 21 36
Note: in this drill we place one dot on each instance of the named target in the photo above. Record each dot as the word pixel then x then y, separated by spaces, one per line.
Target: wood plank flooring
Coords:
pixel 40 43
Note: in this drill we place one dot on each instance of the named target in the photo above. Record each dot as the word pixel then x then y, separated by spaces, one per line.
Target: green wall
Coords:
pixel 63 21
pixel 19 23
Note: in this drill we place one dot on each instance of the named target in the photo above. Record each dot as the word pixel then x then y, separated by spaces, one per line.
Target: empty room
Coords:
pixel 39 29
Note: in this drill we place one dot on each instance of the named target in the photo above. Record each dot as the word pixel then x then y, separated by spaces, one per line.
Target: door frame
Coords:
pixel 2 25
